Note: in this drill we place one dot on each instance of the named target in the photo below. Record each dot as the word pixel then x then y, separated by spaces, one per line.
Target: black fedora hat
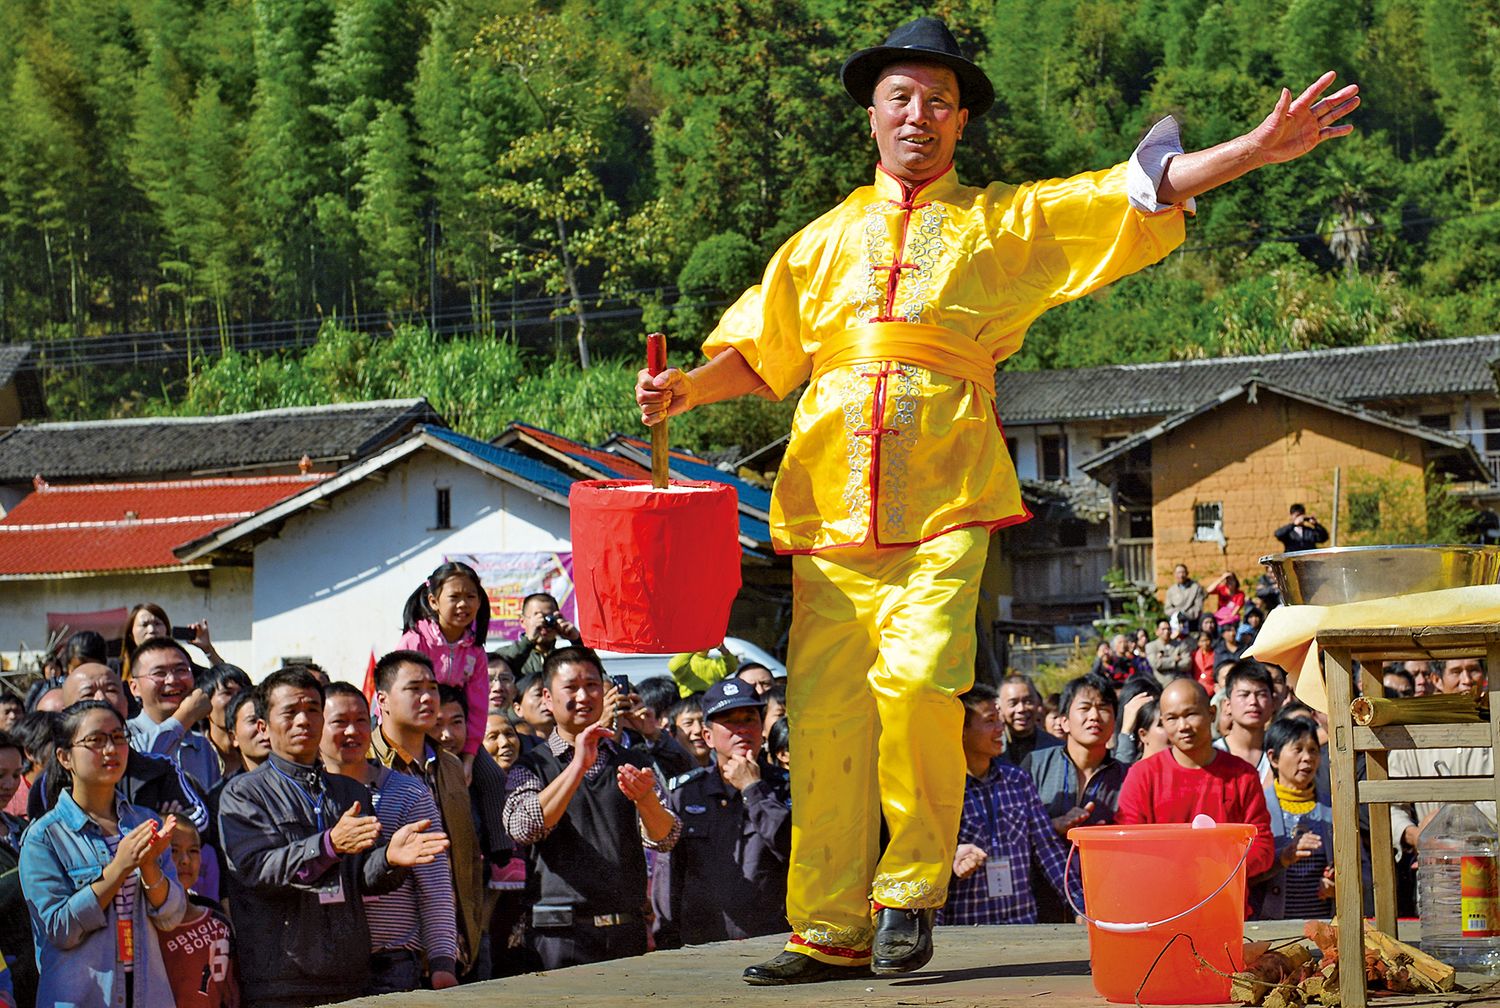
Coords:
pixel 927 40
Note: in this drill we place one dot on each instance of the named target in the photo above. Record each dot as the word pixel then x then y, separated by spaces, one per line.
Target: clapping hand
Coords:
pixel 1075 816
pixel 586 745
pixel 1304 848
pixel 413 845
pixel 143 845
pixel 160 840
pixel 635 783
pixel 353 832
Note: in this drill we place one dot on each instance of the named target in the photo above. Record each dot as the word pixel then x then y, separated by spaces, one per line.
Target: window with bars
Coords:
pixel 1208 521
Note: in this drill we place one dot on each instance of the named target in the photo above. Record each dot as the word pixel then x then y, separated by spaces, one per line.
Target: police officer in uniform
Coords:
pixel 726 877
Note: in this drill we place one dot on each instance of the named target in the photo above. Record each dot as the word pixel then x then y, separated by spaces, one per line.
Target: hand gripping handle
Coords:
pixel 656 363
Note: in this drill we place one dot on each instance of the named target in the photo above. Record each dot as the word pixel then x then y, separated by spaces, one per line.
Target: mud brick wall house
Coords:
pixel 1184 452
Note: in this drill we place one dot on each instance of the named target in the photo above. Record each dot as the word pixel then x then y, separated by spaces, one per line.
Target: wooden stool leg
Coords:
pixel 1382 856
pixel 1338 674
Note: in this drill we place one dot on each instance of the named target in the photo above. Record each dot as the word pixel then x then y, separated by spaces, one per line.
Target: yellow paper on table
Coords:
pixel 1286 637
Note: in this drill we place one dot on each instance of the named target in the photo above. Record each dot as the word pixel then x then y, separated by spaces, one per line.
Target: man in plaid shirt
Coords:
pixel 1003 825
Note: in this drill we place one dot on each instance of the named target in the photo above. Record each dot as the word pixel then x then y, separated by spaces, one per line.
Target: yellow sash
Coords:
pixel 929 346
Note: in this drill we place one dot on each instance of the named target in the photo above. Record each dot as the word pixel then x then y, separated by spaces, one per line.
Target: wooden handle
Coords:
pixel 656 363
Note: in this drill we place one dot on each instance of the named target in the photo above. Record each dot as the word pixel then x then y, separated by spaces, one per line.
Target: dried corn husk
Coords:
pixel 1438 708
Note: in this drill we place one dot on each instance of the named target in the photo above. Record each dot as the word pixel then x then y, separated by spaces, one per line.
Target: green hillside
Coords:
pixel 618 165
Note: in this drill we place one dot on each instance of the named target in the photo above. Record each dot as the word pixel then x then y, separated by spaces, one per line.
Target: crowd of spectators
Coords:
pixel 173 834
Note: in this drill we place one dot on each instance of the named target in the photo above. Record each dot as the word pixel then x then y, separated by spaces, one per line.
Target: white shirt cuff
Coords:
pixel 1149 163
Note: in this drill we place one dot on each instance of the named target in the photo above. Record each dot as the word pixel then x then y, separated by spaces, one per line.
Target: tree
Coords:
pixel 363 71
pixel 550 174
pixel 215 233
pixel 46 157
pixel 287 159
pixel 1387 508
pixel 389 215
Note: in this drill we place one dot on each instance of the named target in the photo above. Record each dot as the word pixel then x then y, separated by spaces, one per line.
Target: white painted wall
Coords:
pixel 332 584
pixel 225 603
pixel 1024 454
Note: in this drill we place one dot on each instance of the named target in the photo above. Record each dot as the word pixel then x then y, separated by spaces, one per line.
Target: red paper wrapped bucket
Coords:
pixel 654 571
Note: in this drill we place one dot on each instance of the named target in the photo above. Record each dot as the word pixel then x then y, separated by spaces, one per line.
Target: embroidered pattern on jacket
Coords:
pixel 924 251
pixel 854 396
pixel 895 453
pixel 869 298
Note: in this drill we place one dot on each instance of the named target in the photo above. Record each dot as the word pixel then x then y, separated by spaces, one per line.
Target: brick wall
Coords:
pixel 1257 460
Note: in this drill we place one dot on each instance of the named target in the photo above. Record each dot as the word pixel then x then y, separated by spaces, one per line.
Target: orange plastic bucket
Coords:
pixel 1143 886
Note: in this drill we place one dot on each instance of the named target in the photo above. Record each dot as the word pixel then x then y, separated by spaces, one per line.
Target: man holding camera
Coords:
pixel 542 626
pixel 1301 533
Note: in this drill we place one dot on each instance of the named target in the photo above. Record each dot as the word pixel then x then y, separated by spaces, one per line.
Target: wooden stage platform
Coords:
pixel 1039 966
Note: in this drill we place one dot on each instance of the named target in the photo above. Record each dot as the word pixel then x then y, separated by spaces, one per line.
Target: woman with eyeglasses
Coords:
pixel 98 876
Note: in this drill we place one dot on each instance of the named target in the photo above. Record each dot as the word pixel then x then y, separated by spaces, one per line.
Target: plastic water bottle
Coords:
pixel 1458 889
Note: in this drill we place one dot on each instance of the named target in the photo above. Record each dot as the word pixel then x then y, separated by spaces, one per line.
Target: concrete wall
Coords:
pixel 1258 459
pixel 225 603
pixel 332 584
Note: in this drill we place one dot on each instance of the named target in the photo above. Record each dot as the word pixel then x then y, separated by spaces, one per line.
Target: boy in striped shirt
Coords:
pixel 415 928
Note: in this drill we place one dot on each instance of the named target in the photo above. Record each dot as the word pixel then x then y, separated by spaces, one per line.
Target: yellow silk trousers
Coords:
pixel 882 644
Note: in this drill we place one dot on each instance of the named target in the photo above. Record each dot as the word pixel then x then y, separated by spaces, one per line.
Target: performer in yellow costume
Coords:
pixel 895 308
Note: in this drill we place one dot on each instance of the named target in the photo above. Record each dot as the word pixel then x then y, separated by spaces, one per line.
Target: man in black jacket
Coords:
pixel 300 857
pixel 587 805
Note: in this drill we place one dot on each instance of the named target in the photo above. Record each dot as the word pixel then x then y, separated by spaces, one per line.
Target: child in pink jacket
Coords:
pixel 447 619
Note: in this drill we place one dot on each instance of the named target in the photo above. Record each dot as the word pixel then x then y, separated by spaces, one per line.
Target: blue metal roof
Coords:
pixel 754 528
pixel 559 482
pixel 701 469
pixel 750 494
pixel 504 458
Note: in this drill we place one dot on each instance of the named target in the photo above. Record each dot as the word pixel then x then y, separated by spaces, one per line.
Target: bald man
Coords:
pixel 153 782
pixel 51 701
pixel 1192 777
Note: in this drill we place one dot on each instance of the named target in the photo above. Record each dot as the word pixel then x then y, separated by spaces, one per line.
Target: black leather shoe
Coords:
pixel 903 940
pixel 795 968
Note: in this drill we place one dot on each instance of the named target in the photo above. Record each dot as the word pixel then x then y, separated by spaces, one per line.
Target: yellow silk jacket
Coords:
pixel 898 304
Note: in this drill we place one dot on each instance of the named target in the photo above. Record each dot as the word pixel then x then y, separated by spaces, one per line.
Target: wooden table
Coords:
pixel 1341 650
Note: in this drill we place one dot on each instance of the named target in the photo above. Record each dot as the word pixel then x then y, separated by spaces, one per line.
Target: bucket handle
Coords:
pixel 1118 928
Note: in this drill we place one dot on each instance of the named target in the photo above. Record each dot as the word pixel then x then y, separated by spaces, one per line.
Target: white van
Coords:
pixel 644 666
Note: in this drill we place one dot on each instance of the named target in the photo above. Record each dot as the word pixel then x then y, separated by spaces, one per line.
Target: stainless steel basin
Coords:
pixel 1357 573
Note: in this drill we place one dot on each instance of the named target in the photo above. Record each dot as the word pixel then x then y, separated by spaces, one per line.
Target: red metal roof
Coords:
pixel 95 527
pixel 604 463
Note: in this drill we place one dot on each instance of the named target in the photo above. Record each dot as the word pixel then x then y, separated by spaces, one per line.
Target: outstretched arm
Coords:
pixel 1295 127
